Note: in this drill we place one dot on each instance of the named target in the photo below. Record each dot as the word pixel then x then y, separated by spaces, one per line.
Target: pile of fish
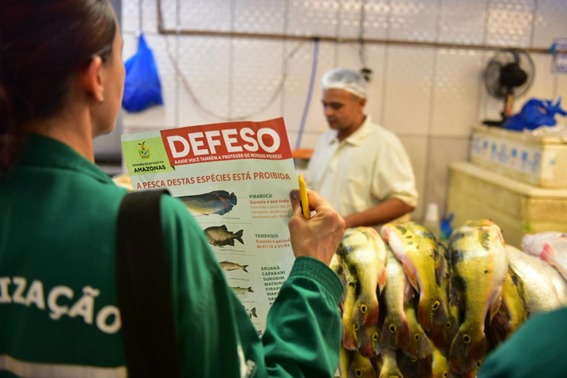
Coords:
pixel 415 307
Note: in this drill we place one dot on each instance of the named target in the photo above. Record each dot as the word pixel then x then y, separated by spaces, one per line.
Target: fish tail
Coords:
pixel 232 199
pixel 249 289
pixel 382 280
pixel 244 268
pixel 238 236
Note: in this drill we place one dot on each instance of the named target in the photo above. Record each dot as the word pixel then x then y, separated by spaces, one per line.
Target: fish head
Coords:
pixel 366 310
pixel 395 332
pixel 361 366
pixel 467 351
pixel 368 341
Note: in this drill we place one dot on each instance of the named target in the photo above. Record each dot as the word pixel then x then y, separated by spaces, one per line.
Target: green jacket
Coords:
pixel 536 349
pixel 58 306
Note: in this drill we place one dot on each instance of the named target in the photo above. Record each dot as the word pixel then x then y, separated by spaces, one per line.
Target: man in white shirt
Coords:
pixel 361 168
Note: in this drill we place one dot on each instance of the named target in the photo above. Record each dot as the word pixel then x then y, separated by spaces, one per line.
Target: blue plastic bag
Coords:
pixel 142 87
pixel 535 113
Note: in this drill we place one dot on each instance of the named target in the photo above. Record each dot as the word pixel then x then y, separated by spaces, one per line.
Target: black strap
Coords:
pixel 144 291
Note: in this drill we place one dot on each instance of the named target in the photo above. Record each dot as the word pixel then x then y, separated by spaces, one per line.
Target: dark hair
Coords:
pixel 42 44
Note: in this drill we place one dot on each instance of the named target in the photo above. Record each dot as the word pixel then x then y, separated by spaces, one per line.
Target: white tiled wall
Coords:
pixel 431 97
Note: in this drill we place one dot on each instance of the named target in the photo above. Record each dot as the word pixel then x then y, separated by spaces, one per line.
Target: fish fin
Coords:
pixel 349 337
pixel 411 275
pixel 548 254
pixel 238 236
pixel 494 307
pixel 424 313
pixel 382 280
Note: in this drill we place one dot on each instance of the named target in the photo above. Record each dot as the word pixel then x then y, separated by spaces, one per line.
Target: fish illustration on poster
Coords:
pixel 235 179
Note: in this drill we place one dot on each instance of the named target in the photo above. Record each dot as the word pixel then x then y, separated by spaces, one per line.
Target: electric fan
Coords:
pixel 508 74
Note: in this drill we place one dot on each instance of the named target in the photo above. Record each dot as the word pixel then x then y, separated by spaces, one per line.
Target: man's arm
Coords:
pixel 384 212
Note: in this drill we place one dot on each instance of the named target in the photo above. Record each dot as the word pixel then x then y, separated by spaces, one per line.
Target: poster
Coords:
pixel 235 178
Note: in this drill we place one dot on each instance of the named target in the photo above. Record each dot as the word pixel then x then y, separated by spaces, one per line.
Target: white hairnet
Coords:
pixel 345 79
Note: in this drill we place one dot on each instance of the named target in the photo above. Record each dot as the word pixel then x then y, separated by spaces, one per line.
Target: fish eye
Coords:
pixel 356 327
pixel 374 336
pixel 435 305
pixel 445 374
pixel 358 373
pixel 417 337
pixel 478 363
pixel 392 328
pixel 448 325
pixel 363 308
pixel 466 339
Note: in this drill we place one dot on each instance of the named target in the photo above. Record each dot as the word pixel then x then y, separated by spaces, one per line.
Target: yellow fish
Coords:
pixel 364 252
pixel 479 265
pixel 425 266
pixel 395 296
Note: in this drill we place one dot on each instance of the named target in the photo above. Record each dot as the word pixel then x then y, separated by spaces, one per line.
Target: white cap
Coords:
pixel 345 79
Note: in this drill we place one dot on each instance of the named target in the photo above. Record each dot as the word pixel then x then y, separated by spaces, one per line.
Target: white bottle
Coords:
pixel 431 220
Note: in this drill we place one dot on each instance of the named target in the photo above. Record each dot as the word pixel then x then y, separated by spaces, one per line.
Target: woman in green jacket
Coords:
pixel 61 84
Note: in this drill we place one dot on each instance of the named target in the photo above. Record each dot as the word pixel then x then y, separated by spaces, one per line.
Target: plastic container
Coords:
pixel 533 159
pixel 476 192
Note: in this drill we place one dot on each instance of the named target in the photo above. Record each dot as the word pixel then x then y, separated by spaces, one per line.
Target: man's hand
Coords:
pixel 319 236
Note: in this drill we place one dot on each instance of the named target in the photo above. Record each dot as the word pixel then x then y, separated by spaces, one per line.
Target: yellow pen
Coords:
pixel 303 197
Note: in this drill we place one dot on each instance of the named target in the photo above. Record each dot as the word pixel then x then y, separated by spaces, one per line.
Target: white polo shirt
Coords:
pixel 365 169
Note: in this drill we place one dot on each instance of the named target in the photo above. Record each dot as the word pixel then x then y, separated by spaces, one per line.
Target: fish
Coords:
pixel 364 253
pixel 345 358
pixel 419 346
pixel 395 296
pixel 360 366
pixel 368 338
pixel 544 289
pixel 389 368
pixel 424 263
pixel 241 290
pixel 412 368
pixel 439 364
pixel 219 236
pixel 338 266
pixel 550 246
pixel 346 304
pixel 216 202
pixel 252 313
pixel 511 313
pixel 350 328
pixel 479 265
pixel 229 266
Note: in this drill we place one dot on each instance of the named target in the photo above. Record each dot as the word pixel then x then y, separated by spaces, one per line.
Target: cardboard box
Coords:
pixel 476 192
pixel 533 159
